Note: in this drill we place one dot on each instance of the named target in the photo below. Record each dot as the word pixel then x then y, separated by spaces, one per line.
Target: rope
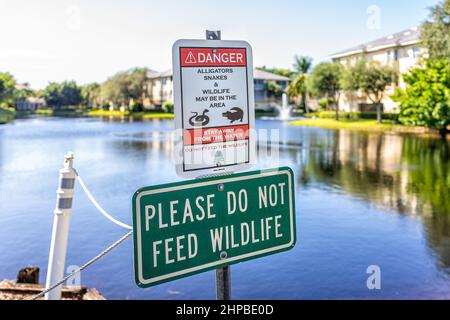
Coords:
pixel 87 264
pixel 102 211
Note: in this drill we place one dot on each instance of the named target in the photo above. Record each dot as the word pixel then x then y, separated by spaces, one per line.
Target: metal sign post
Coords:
pixel 223 275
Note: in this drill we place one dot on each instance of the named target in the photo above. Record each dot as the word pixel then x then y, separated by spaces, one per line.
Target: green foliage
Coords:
pixel 63 94
pixel 23 93
pixel 426 100
pixel 370 77
pixel 135 106
pixel 325 81
pixel 356 115
pixel 274 89
pixel 168 107
pixel 297 86
pixel 125 87
pixel 7 88
pixel 90 95
pixel 302 65
pixel 6 115
pixel 324 103
pixel 435 32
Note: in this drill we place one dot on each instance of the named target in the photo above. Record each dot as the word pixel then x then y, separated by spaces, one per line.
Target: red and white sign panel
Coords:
pixel 214 106
pixel 217 57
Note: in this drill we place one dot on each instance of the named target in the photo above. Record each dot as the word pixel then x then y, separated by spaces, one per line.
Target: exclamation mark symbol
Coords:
pixel 190 58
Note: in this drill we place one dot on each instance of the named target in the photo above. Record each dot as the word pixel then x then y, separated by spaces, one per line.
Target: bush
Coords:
pixel 6 115
pixel 168 107
pixel 324 103
pixel 357 115
pixel 342 115
pixel 136 107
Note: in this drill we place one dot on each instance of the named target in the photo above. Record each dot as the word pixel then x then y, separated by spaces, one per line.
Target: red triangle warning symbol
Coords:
pixel 190 58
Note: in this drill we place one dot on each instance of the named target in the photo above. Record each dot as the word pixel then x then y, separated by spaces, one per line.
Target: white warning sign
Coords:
pixel 214 106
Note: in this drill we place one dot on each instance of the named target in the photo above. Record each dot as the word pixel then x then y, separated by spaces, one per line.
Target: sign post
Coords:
pixel 223 275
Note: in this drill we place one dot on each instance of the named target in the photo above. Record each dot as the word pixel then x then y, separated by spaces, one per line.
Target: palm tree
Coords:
pixel 302 66
pixel 297 87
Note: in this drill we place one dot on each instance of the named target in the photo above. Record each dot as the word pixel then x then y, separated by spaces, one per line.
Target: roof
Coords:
pixel 404 38
pixel 22 87
pixel 35 100
pixel 151 72
pixel 163 74
pixel 264 75
pixel 257 74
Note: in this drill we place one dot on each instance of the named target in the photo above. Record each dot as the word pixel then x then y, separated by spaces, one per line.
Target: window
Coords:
pixel 416 52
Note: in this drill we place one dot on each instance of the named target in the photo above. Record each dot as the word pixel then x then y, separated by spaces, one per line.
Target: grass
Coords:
pixel 44 112
pixel 362 125
pixel 153 115
pixel 144 115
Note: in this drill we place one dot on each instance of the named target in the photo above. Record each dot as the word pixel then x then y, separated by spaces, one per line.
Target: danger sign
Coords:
pixel 214 106
pixel 213 57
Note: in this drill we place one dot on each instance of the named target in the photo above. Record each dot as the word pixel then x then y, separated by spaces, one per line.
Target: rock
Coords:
pixel 28 275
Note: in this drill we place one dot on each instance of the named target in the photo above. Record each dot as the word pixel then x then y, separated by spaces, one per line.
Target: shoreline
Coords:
pixel 116 113
pixel 362 125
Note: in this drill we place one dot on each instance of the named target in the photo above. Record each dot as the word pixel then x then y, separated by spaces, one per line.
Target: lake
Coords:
pixel 361 199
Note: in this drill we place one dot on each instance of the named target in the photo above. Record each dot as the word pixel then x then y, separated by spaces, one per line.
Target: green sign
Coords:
pixel 184 228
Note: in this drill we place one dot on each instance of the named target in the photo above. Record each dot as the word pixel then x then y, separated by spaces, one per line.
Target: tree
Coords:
pixel 90 95
pixel 297 87
pixel 63 94
pixel 372 78
pixel 325 81
pixel 125 87
pixel 435 32
pixel 7 88
pixel 23 92
pixel 426 100
pixel 274 89
pixel 302 67
pixel 302 64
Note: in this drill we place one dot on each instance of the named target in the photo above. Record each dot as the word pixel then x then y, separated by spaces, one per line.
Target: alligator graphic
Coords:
pixel 234 114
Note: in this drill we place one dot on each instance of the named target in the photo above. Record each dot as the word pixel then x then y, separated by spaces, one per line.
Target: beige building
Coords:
pixel 400 50
pixel 160 88
pixel 30 104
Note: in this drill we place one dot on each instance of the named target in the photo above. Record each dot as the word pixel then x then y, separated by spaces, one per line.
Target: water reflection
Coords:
pixel 408 174
pixel 362 199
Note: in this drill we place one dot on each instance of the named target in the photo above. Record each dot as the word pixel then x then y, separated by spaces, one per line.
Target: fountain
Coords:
pixel 284 110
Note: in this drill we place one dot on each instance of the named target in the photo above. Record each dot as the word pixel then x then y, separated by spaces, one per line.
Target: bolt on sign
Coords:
pixel 214 106
pixel 184 228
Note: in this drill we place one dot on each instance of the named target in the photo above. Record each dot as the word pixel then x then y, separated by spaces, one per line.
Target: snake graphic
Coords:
pixel 199 120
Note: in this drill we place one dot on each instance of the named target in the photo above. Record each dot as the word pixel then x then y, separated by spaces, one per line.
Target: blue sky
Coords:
pixel 87 41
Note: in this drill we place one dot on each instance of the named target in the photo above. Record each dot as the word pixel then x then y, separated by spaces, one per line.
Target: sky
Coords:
pixel 89 41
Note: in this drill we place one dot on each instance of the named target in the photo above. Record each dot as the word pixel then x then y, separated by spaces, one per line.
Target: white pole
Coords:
pixel 60 233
